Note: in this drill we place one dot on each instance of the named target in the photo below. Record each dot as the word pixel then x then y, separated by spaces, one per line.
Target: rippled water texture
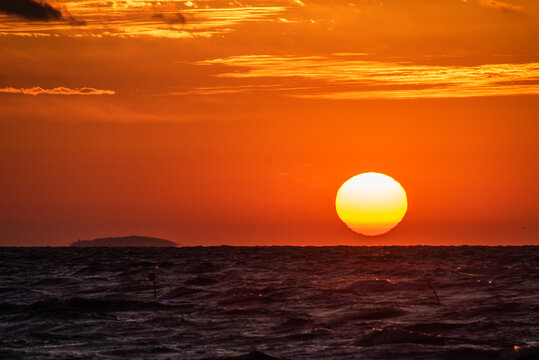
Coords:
pixel 270 302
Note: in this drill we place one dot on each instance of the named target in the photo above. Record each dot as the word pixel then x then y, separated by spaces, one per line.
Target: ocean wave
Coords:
pixel 254 355
pixel 269 303
pixel 74 306
pixel 382 336
pixel 373 286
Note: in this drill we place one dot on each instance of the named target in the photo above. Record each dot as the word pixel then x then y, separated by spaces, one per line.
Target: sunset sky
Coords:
pixel 236 122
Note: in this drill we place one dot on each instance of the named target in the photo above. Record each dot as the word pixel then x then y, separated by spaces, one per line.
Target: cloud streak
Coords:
pixel 339 77
pixel 499 5
pixel 141 18
pixel 56 91
pixel 30 10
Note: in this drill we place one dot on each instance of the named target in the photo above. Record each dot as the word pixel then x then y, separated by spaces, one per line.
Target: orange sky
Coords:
pixel 236 122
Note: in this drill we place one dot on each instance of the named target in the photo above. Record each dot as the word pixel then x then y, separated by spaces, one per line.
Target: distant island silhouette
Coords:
pixel 125 241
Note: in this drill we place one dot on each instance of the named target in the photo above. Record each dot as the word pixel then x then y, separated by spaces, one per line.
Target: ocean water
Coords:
pixel 270 303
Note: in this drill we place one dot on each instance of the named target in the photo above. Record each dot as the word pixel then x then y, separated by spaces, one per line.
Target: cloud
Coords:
pixel 177 18
pixel 128 19
pixel 56 91
pixel 30 9
pixel 345 77
pixel 498 5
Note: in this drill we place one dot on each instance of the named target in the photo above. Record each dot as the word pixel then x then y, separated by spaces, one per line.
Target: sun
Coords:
pixel 371 203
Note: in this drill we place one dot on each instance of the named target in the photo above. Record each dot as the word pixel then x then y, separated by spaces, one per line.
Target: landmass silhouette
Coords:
pixel 125 241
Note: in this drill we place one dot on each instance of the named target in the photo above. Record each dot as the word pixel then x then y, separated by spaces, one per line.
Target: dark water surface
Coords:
pixel 264 302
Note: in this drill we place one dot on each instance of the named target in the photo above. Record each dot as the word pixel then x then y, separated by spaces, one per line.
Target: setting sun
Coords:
pixel 371 203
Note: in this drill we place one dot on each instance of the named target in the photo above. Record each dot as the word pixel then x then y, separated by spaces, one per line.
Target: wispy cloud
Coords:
pixel 141 18
pixel 56 91
pixel 502 6
pixel 340 77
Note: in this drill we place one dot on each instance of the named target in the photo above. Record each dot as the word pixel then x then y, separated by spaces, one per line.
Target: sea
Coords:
pixel 267 303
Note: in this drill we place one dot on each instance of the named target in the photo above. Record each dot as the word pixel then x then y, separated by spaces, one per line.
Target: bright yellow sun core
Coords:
pixel 371 203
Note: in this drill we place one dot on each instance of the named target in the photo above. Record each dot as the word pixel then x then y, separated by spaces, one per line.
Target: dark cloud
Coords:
pixel 178 19
pixel 30 9
pixel 74 21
